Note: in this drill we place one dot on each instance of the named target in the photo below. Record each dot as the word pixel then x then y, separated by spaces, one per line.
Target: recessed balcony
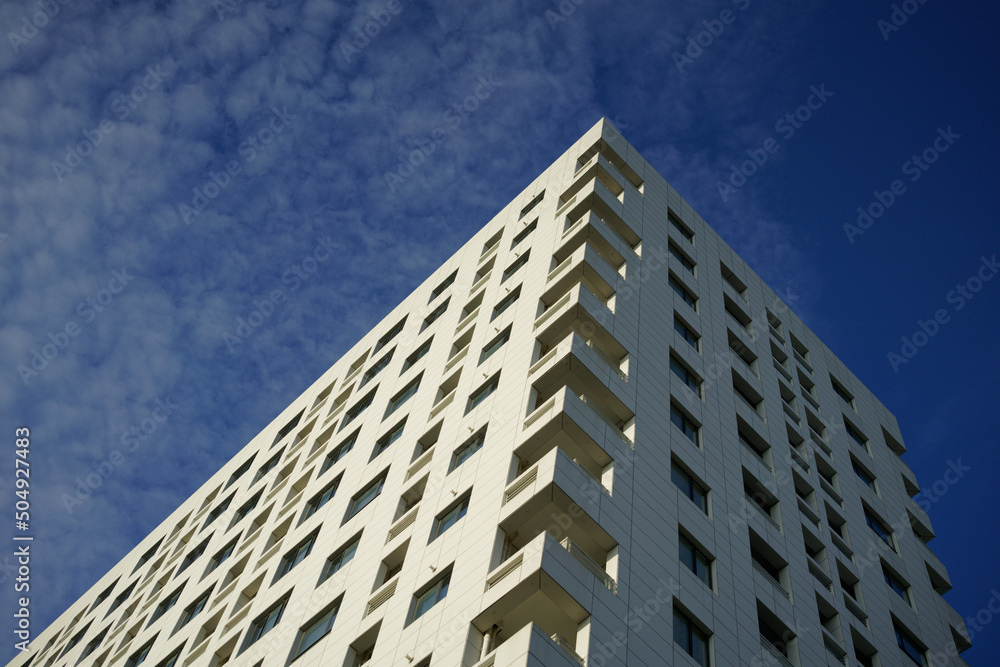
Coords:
pixel 584 265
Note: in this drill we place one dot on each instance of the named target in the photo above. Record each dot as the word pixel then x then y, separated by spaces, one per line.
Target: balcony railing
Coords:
pixel 767 575
pixel 402 524
pixel 764 512
pixel 590 564
pixel 607 420
pixel 608 360
pixel 564 645
pixel 775 653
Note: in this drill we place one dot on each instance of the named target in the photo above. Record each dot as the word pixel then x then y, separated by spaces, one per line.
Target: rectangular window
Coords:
pixel 896 584
pixel 676 223
pixel 689 487
pixel 194 609
pixel 222 555
pixel 287 428
pixel 321 498
pixel 171 660
pixel 167 603
pixel 695 560
pixel 389 335
pixel 365 496
pixel 386 440
pixel 682 291
pixel 403 396
pixel 856 435
pixel 450 517
pixel 495 344
pixel 95 643
pixel 376 368
pixel 103 596
pixel 879 527
pixel 240 471
pixel 118 601
pixel 417 355
pixel 686 376
pixel 684 423
pixel 217 511
pixel 340 451
pixel 908 644
pixel 491 243
pixel 139 656
pixel 296 555
pixel 845 395
pixel 193 555
pixel 512 269
pixel 435 314
pixel 146 556
pixel 355 411
pixel 523 234
pixel 532 204
pixel 483 393
pixel 863 474
pixel 315 629
pixel 686 333
pixel 246 508
pixel 265 622
pixel 268 466
pixel 431 595
pixel 690 638
pixel 506 302
pixel 340 558
pixel 439 290
pixel 681 257
pixel 468 448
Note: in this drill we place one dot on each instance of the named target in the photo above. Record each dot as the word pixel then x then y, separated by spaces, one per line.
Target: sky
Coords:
pixel 166 168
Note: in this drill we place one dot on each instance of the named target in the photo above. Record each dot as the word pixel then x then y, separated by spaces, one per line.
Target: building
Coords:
pixel 593 436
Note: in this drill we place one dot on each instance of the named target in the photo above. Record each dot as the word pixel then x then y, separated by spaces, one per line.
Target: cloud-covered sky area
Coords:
pixel 168 167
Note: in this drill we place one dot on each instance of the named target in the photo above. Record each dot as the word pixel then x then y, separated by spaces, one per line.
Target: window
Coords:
pixel 239 472
pixel 686 333
pixel 146 556
pixel 856 435
pixel 863 474
pixel 467 449
pixel 340 558
pixel 95 643
pixel 682 291
pixel 450 517
pixel 222 555
pixel 339 451
pixel 435 314
pixel 246 508
pixel 315 629
pixel 879 527
pixel 376 368
pixel 495 344
pixel 908 644
pixel 689 487
pixel 193 555
pixel 843 393
pixel 491 243
pixel 194 609
pixel 321 498
pixel 431 595
pixel 684 423
pixel 900 587
pixel 358 408
pixel 268 467
pixel 676 223
pixel 139 656
pixel 690 638
pixel 287 428
pixel 386 440
pixel 263 623
pixel 171 660
pixel 512 269
pixel 296 555
pixel 506 302
pixel 523 234
pixel 439 290
pixel 103 596
pixel 532 204
pixel 681 257
pixel 121 598
pixel 417 355
pixel 686 376
pixel 389 335
pixel 217 511
pixel 74 640
pixel 366 495
pixel 403 396
pixel 483 393
pixel 695 560
pixel 167 604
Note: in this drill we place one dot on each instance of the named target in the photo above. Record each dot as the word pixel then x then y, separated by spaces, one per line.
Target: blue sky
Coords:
pixel 164 165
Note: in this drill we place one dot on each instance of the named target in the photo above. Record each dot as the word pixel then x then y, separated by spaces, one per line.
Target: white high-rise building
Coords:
pixel 592 437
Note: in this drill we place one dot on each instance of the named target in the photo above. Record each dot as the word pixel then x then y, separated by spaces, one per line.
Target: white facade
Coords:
pixel 610 405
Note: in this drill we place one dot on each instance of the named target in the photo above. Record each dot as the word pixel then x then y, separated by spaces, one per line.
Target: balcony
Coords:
pixel 597 372
pixel 591 230
pixel 598 191
pixel 531 647
pixel 585 265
